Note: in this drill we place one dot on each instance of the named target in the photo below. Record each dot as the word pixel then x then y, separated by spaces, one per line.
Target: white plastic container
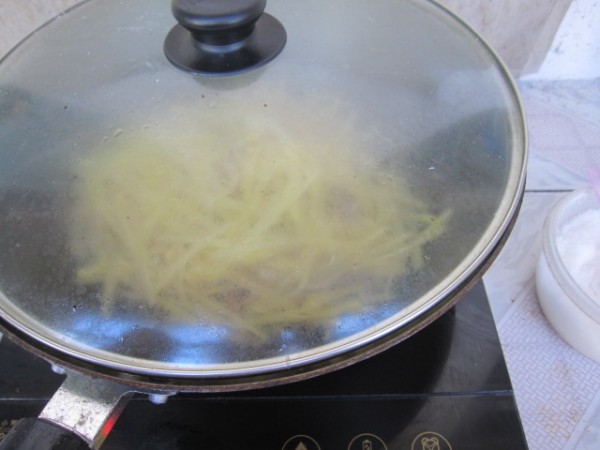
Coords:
pixel 570 306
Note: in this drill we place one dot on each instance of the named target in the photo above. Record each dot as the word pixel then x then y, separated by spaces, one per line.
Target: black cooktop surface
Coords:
pixel 446 388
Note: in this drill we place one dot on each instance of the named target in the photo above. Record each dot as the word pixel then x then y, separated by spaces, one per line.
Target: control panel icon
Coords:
pixel 430 441
pixel 367 441
pixel 301 442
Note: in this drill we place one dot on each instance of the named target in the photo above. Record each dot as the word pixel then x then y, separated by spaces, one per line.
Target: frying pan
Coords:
pixel 405 120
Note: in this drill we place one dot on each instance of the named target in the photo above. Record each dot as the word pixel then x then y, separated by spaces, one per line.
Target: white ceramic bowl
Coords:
pixel 573 313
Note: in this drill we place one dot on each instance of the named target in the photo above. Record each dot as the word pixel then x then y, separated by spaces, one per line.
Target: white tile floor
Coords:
pixel 557 389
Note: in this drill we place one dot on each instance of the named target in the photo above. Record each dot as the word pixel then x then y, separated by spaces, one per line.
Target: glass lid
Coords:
pixel 158 221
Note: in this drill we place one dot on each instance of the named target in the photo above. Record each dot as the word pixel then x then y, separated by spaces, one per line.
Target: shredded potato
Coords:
pixel 254 230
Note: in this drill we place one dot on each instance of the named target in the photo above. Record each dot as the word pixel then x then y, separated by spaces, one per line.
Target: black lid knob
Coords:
pixel 223 37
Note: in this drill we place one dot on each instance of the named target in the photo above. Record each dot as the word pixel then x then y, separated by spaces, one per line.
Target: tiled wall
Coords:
pixel 575 52
pixel 521 31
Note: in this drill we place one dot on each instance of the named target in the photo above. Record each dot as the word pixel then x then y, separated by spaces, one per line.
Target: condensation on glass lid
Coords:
pixel 277 213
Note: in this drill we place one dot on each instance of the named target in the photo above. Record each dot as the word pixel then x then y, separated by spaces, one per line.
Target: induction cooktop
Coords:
pixel 445 388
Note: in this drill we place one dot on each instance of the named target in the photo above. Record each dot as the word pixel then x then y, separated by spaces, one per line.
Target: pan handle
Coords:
pixel 79 416
pixel 37 434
